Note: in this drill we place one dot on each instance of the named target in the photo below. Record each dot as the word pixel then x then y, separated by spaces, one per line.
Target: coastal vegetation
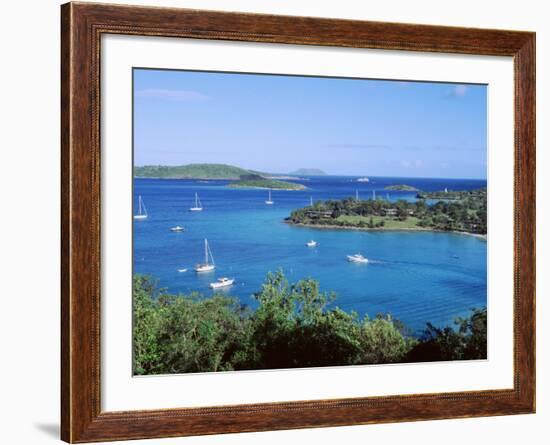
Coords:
pixel 256 181
pixel 468 213
pixel 214 171
pixel 401 188
pixel 479 194
pixel 293 325
pixel 190 171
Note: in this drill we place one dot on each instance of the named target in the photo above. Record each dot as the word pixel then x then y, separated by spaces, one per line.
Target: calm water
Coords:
pixel 418 277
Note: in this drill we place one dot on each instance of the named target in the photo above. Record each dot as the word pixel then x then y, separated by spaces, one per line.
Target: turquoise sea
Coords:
pixel 415 276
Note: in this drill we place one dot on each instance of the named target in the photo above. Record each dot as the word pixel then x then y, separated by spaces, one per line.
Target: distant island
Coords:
pixel 308 172
pixel 467 214
pixel 214 171
pixel 242 178
pixel 454 195
pixel 191 171
pixel 401 188
pixel 257 181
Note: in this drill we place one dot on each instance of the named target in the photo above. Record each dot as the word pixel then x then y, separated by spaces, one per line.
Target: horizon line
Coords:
pixel 290 172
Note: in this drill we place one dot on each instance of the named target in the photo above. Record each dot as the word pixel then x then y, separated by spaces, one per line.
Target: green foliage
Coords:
pixel 193 171
pixel 175 334
pixel 294 325
pixel 467 213
pixel 401 188
pixel 468 342
pixel 454 194
pixel 257 181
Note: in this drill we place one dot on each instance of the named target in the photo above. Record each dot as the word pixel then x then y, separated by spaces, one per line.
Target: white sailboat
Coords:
pixel 357 258
pixel 198 204
pixel 207 266
pixel 177 229
pixel 142 211
pixel 269 201
pixel 222 282
pixel 312 243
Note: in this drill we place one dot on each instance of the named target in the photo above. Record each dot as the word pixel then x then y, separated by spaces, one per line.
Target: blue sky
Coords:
pixel 281 123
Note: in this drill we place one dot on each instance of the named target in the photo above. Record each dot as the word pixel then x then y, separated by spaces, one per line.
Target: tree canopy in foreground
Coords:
pixel 294 325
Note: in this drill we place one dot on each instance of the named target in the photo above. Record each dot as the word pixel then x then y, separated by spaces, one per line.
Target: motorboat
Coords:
pixel 222 282
pixel 357 258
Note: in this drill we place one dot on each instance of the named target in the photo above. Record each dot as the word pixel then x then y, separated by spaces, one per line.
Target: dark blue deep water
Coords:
pixel 415 276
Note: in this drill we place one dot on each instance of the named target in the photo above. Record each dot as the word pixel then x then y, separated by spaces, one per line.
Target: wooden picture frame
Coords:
pixel 82 25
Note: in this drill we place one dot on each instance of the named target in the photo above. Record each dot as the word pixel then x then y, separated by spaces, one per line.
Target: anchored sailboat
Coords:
pixel 198 204
pixel 142 211
pixel 269 201
pixel 207 266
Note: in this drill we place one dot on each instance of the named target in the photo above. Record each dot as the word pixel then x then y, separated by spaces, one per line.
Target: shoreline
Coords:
pixel 230 185
pixel 264 188
pixel 379 229
pixel 187 178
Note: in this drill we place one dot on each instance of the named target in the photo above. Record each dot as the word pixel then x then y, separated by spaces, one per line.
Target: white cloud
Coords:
pixel 457 91
pixel 178 95
pixel 417 163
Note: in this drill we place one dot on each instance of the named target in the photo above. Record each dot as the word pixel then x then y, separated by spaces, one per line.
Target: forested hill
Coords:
pixel 191 171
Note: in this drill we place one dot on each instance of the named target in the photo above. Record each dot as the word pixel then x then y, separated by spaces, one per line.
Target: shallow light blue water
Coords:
pixel 417 277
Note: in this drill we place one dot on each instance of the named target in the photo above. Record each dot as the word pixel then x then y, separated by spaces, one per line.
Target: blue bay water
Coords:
pixel 415 276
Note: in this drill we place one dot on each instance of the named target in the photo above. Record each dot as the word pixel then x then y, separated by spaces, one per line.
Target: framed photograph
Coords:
pixel 276 222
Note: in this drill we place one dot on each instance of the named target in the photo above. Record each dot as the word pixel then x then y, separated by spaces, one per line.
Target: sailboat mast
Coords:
pixel 211 256
pixel 205 251
pixel 357 194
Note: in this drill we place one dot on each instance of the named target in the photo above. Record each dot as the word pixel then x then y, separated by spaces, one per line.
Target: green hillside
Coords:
pixel 257 181
pixel 401 188
pixel 191 171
